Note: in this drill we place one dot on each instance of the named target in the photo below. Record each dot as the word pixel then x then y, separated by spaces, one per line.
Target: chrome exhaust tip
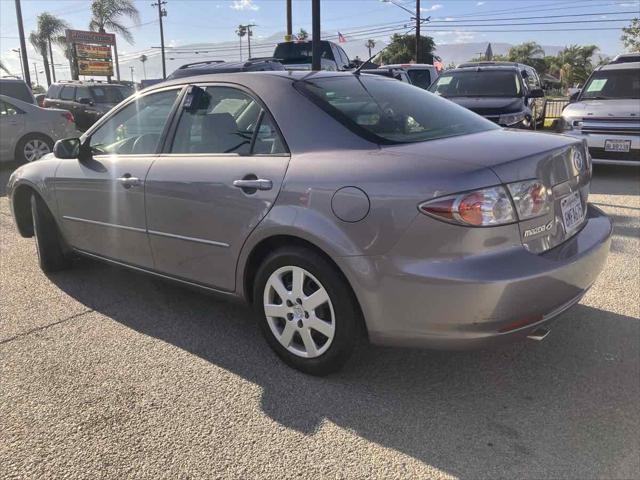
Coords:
pixel 539 334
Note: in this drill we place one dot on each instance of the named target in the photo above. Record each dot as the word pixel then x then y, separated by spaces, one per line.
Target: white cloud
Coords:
pixel 479 4
pixel 432 8
pixel 455 36
pixel 244 5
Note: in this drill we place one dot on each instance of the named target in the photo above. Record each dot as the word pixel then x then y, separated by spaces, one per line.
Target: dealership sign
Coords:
pixel 95 67
pixel 81 36
pixel 91 53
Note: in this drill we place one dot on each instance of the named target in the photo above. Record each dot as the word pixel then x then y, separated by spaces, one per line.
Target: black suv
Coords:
pixel 297 56
pixel 87 101
pixel 509 94
pixel 220 66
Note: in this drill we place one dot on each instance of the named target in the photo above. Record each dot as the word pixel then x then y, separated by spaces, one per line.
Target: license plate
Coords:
pixel 617 145
pixel 571 207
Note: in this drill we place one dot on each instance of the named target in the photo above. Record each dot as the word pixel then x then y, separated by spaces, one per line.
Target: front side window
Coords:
pixel 478 83
pixel 225 121
pixel 387 111
pixel 7 109
pixel 82 92
pixel 613 84
pixel 67 93
pixel 137 128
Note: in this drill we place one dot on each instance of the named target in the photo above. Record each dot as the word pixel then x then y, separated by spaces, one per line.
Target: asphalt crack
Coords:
pixel 44 327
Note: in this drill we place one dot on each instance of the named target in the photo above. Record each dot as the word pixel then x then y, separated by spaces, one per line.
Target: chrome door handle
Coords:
pixel 128 182
pixel 257 184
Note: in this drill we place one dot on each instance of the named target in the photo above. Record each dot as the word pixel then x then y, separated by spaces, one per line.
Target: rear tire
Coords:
pixel 33 147
pixel 314 335
pixel 51 252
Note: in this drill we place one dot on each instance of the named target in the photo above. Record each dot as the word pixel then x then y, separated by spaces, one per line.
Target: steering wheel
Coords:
pixel 145 143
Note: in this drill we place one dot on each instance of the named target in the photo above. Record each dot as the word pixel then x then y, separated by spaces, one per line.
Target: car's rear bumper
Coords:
pixel 470 302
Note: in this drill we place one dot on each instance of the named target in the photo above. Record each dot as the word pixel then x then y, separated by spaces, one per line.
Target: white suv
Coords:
pixel 607 113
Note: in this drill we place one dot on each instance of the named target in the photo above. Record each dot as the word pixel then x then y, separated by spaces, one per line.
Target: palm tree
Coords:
pixel 40 44
pixel 143 59
pixel 50 28
pixel 107 14
pixel 4 68
pixel 370 44
pixel 241 31
pixel 303 35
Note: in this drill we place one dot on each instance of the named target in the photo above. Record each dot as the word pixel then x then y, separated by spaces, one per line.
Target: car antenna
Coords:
pixel 357 70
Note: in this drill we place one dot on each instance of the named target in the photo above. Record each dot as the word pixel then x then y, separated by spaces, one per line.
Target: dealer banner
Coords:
pixel 95 67
pixel 97 52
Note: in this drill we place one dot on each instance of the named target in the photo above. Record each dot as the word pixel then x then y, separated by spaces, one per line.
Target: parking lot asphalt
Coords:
pixel 106 373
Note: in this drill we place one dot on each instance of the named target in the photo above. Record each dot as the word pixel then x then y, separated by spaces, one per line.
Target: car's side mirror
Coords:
pixel 67 148
pixel 536 93
pixel 574 96
pixel 85 101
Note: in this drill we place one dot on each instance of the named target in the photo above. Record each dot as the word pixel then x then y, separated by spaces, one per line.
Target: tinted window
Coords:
pixel 483 83
pixel 610 84
pixel 67 93
pixel 292 51
pixel 54 91
pixel 8 109
pixel 225 122
pixel 16 89
pixel 420 78
pixel 110 93
pixel 137 128
pixel 82 92
pixel 391 112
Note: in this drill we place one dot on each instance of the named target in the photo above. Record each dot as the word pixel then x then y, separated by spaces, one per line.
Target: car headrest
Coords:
pixel 219 123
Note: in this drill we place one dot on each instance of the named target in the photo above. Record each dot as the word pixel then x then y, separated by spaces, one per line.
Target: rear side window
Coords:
pixel 385 111
pixel 227 121
pixel 82 92
pixel 16 89
pixel 420 78
pixel 54 91
pixel 67 93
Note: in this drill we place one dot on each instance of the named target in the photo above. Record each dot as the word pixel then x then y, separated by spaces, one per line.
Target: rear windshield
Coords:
pixel 388 111
pixel 291 51
pixel 17 90
pixel 110 93
pixel 483 83
pixel 613 84
pixel 420 78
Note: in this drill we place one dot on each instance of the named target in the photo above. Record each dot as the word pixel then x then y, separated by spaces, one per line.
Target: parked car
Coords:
pixel 606 113
pixel 396 73
pixel 509 94
pixel 297 56
pixel 220 66
pixel 87 101
pixel 338 205
pixel 421 74
pixel 28 132
pixel 16 88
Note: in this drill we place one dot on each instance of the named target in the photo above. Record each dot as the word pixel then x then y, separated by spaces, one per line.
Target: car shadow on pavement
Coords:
pixel 563 407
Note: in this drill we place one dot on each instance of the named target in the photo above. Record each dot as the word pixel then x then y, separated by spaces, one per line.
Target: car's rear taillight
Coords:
pixel 480 208
pixel 69 117
pixel 531 198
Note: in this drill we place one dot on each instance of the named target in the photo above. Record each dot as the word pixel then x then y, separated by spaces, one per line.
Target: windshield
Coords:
pixel 110 94
pixel 388 111
pixel 613 84
pixel 474 83
pixel 290 51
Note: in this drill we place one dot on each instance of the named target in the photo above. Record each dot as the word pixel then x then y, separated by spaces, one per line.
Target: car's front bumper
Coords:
pixel 596 144
pixel 476 301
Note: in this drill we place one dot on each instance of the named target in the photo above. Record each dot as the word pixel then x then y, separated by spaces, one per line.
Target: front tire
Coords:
pixel 51 252
pixel 33 147
pixel 306 310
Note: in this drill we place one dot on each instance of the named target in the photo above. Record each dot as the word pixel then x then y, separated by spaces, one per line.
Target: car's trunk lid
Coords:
pixel 517 156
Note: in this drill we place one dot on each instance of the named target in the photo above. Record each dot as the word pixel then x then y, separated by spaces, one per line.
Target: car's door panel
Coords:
pixel 12 125
pixel 197 219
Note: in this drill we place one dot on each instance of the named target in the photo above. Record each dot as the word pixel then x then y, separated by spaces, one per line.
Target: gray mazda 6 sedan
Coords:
pixel 339 205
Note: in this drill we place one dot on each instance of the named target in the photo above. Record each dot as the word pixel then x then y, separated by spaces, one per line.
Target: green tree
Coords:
pixel 302 34
pixel 631 36
pixel 573 64
pixel 40 44
pixel 402 49
pixel 528 53
pixel 494 58
pixel 50 28
pixel 143 59
pixel 108 14
pixel 370 44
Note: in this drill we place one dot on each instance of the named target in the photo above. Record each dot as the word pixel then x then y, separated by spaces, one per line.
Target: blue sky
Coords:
pixel 454 21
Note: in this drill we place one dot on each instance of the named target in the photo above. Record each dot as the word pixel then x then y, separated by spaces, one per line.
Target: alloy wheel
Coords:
pixel 35 149
pixel 299 312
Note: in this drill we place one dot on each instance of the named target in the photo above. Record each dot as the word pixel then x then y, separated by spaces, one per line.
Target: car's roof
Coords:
pixel 88 83
pixel 484 68
pixel 423 66
pixel 621 66
pixel 12 80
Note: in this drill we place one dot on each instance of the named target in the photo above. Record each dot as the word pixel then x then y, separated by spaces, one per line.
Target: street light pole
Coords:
pixel 316 48
pixel 35 68
pixel 418 42
pixel 17 50
pixel 23 43
pixel 289 36
pixel 131 69
pixel 161 13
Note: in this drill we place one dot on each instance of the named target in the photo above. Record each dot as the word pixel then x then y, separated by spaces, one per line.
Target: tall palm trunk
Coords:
pixel 53 69
pixel 45 60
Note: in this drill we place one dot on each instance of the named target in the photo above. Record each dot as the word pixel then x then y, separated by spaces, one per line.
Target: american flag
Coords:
pixel 341 38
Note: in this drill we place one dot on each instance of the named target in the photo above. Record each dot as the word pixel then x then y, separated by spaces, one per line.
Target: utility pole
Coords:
pixel 418 42
pixel 131 68
pixel 289 35
pixel 316 48
pixel 17 50
pixel 162 12
pixel 249 35
pixel 23 44
pixel 241 31
pixel 35 69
